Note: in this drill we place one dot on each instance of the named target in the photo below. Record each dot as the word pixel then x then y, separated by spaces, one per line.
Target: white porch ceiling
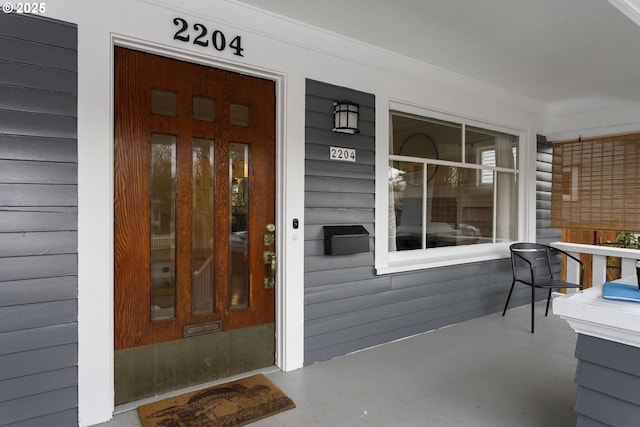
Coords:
pixel 550 50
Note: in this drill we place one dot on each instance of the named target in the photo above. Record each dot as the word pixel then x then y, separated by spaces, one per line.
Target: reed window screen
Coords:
pixel 596 184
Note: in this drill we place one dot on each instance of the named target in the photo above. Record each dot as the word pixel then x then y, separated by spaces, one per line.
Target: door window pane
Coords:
pixel 163 102
pixel 239 194
pixel 163 225
pixel 204 108
pixel 239 114
pixel 202 226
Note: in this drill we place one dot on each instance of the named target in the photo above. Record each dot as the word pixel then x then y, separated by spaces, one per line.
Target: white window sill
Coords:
pixel 403 261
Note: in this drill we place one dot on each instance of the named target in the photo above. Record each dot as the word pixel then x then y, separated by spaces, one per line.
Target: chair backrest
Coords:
pixel 528 259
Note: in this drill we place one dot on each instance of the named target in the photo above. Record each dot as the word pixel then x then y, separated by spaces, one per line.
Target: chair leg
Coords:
pixel 533 305
pixel 548 300
pixel 509 297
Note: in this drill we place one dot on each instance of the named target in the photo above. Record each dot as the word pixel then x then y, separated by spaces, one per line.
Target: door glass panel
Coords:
pixel 163 225
pixel 239 194
pixel 204 108
pixel 239 114
pixel 163 102
pixel 202 226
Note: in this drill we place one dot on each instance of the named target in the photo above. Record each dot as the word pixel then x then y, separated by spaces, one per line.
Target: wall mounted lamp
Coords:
pixel 345 117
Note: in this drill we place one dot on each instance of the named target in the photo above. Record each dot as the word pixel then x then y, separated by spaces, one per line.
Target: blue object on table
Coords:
pixel 620 291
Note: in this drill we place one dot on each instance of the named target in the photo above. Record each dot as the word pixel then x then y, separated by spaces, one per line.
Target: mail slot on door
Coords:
pixel 345 239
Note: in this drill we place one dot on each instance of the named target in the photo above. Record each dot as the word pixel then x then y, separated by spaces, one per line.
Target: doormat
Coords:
pixel 235 403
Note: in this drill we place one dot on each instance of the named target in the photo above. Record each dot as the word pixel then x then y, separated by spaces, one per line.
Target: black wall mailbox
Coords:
pixel 345 239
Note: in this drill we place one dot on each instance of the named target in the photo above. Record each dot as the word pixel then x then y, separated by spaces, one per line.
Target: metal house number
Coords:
pixel 217 40
pixel 342 154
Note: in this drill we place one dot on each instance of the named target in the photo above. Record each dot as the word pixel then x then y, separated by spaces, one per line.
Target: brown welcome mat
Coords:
pixel 235 403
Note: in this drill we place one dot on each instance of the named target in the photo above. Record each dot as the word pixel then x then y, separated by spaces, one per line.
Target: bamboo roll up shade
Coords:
pixel 596 184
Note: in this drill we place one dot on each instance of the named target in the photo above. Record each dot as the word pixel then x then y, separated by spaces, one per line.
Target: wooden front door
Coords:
pixel 194 200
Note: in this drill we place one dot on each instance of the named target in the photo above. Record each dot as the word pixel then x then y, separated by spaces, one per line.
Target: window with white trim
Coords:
pixel 450 184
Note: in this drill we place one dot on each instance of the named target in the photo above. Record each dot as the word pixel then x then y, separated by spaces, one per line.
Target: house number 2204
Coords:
pixel 343 154
pixel 201 37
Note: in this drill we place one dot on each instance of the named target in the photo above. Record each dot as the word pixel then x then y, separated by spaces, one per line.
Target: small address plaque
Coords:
pixel 342 154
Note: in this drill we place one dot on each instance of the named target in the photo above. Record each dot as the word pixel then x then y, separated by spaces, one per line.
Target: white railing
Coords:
pixel 202 286
pixel 166 241
pixel 600 253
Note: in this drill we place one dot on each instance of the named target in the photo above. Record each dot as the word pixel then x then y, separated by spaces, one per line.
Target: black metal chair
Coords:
pixel 531 264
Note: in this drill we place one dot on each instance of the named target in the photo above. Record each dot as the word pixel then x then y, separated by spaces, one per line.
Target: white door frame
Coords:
pixel 95 338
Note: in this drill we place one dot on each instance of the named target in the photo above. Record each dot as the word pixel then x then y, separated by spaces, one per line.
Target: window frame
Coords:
pixel 387 261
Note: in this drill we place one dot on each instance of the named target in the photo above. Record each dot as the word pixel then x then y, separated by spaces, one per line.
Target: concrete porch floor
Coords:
pixel 488 372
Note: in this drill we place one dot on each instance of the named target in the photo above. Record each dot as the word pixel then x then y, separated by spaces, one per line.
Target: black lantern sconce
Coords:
pixel 346 117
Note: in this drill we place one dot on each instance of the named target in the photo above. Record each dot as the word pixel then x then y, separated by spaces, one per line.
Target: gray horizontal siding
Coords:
pixel 544 232
pixel 328 199
pixel 319 168
pixel 34 77
pixel 14 219
pixel 31 172
pixel 16 365
pixel 38 213
pixel 37 124
pixel 394 306
pixel 32 291
pixel 46 381
pixel 333 215
pixel 39 405
pixel 48 336
pixel 37 101
pixel 348 306
pixel 608 378
pixel 63 418
pixel 37 149
pixel 51 33
pixel 38 195
pixel 38 243
pixel 33 53
pixel 37 315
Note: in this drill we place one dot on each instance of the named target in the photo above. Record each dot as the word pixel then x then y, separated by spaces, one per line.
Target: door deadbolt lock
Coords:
pixel 270 237
pixel 268 257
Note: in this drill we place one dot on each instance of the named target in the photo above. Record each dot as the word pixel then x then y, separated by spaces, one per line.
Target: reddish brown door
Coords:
pixel 194 191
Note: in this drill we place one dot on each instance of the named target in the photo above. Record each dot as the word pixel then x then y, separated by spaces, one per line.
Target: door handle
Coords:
pixel 274 267
pixel 269 257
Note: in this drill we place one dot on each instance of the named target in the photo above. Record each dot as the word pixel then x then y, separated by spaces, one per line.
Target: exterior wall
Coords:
pixel 38 217
pixel 289 53
pixel 544 233
pixel 316 319
pixel 347 306
pixel 608 378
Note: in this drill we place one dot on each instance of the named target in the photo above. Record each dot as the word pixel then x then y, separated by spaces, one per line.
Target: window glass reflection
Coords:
pixel 202 227
pixel 239 201
pixel 163 225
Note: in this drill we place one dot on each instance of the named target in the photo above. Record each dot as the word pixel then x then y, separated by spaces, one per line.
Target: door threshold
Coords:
pixel 130 406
